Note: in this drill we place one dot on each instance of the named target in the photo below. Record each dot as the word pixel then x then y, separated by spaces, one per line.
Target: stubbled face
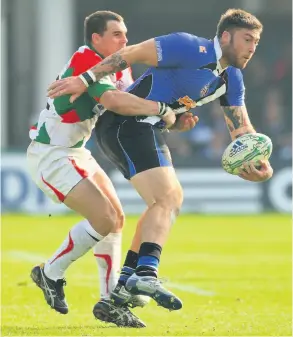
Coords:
pixel 239 46
pixel 113 39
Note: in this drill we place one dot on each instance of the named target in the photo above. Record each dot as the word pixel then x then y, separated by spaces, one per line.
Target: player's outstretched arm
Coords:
pixel 238 123
pixel 127 104
pixel 144 53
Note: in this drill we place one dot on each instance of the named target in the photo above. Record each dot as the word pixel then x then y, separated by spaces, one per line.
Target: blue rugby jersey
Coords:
pixel 189 71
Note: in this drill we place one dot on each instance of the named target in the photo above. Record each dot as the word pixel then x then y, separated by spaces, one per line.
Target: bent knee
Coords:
pixel 172 199
pixel 176 198
pixel 105 220
pixel 179 198
pixel 120 221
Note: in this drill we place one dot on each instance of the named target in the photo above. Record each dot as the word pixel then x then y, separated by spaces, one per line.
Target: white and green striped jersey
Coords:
pixel 70 124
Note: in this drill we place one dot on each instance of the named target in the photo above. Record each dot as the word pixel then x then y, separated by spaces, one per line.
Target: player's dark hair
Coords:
pixel 236 19
pixel 97 23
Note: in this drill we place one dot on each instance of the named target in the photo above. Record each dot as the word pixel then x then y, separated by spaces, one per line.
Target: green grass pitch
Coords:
pixel 233 274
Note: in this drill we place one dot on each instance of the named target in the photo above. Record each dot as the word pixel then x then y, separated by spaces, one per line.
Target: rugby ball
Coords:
pixel 250 147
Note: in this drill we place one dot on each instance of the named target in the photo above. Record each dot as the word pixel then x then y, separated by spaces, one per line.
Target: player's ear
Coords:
pixel 96 38
pixel 226 37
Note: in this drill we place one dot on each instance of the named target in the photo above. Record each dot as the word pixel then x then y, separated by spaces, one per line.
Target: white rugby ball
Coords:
pixel 250 147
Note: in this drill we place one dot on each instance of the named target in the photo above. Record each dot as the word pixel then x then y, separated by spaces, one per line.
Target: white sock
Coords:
pixel 81 238
pixel 108 257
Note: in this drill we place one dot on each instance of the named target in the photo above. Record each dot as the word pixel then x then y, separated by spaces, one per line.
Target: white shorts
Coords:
pixel 56 170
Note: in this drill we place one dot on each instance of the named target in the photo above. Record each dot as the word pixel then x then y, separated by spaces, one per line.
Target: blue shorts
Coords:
pixel 132 146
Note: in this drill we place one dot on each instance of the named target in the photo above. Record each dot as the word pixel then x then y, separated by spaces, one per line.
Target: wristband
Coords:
pixel 88 78
pixel 163 108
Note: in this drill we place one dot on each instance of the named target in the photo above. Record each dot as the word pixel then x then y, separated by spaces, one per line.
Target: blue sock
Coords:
pixel 148 259
pixel 126 272
pixel 128 267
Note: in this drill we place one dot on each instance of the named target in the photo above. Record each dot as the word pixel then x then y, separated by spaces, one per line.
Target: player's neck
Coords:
pixel 221 59
pixel 223 62
pixel 97 50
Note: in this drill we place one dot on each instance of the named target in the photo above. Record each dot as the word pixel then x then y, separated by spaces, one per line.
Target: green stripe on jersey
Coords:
pixel 43 136
pixel 62 104
pixel 84 104
pixel 97 89
pixel 78 144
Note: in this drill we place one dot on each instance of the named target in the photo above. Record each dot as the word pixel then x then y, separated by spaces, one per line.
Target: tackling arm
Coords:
pixel 127 104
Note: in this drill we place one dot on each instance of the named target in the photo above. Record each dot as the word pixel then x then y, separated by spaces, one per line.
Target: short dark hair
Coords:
pixel 236 19
pixel 97 23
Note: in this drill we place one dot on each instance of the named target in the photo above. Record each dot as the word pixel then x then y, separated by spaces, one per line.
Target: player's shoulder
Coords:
pixel 192 38
pixel 83 59
pixel 235 79
pixel 234 73
pixel 87 52
pixel 198 46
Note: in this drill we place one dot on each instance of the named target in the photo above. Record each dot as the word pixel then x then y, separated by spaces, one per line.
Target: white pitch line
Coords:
pixel 191 289
pixel 17 255
pixel 183 287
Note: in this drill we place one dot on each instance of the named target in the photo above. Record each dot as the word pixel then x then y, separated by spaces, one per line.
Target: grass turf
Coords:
pixel 233 274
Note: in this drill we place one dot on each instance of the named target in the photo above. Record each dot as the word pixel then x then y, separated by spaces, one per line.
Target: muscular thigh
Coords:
pixel 132 146
pixel 158 184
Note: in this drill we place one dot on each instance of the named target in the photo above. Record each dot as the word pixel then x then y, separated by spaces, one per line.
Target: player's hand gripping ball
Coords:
pixel 251 147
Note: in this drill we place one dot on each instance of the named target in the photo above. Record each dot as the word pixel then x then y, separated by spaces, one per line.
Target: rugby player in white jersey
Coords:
pixel 66 172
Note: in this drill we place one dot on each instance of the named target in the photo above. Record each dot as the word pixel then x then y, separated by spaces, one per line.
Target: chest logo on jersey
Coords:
pixel 205 90
pixel 187 101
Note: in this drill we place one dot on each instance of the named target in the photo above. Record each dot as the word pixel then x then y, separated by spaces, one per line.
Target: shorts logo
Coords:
pixel 237 148
pixel 187 101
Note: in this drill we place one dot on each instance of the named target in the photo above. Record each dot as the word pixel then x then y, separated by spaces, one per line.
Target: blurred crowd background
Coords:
pixel 39 36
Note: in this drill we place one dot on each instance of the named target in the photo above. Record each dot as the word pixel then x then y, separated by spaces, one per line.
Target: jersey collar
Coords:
pixel 93 49
pixel 218 51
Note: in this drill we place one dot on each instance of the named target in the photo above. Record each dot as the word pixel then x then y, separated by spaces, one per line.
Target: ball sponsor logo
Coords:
pixel 237 148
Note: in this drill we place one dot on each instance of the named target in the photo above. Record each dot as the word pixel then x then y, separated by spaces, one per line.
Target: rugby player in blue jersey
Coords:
pixel 185 71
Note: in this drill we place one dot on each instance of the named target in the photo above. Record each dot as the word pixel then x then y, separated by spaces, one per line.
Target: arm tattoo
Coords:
pixel 234 116
pixel 237 120
pixel 111 64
